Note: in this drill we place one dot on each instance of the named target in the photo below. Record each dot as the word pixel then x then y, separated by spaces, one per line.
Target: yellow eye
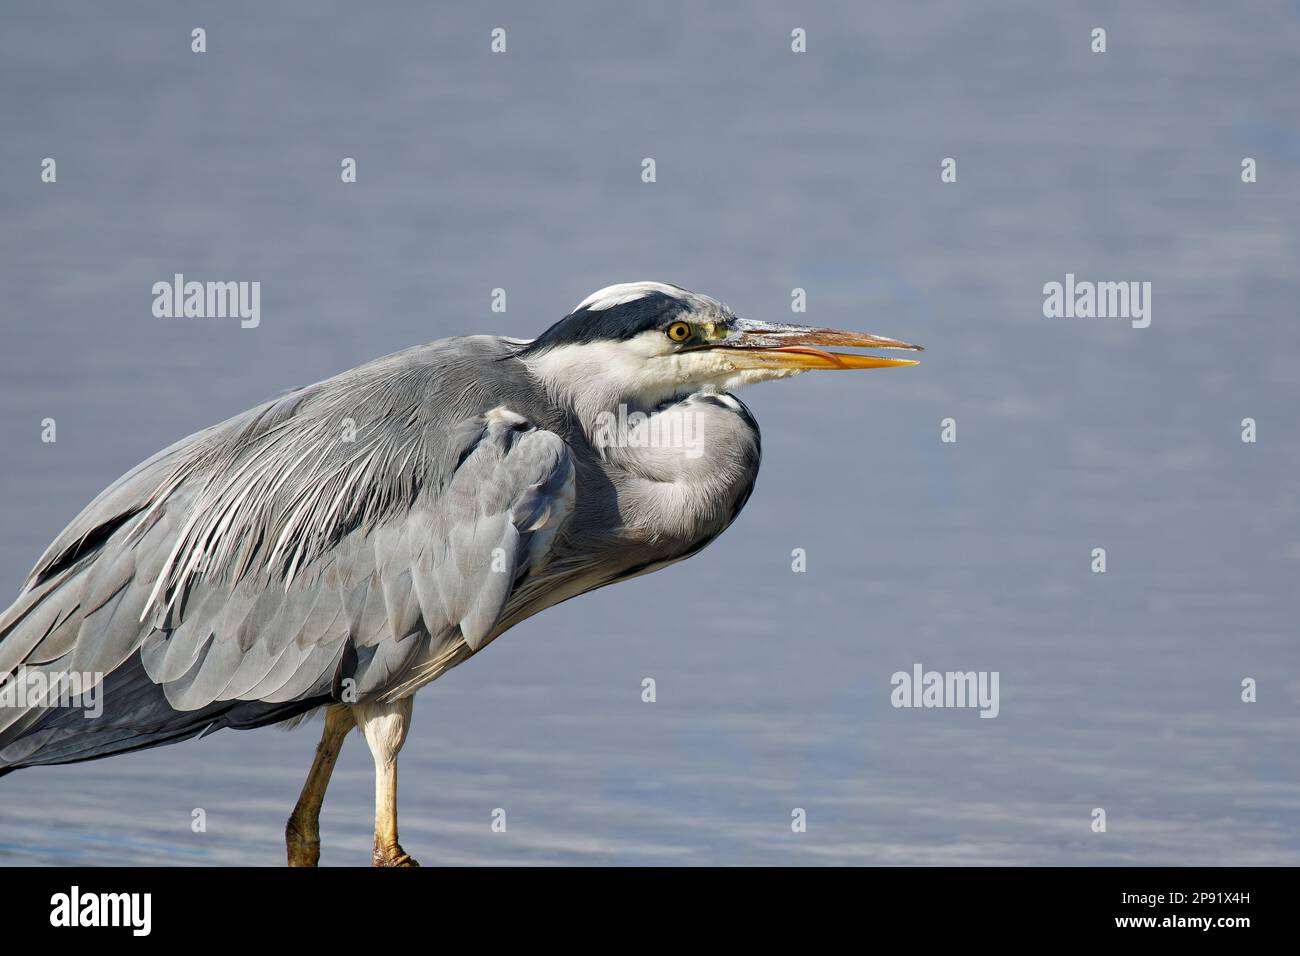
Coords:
pixel 679 331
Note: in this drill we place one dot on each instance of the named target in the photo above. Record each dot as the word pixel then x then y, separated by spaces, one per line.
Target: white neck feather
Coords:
pixel 597 378
pixel 681 468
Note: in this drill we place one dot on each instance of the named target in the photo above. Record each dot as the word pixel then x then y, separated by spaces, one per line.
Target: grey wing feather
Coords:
pixel 443 571
pixel 490 527
pixel 267 561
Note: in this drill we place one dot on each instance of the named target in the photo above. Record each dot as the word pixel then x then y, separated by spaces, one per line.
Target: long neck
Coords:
pixel 682 465
pixel 682 471
pixel 597 379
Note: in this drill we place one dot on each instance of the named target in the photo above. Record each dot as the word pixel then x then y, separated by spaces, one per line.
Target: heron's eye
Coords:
pixel 679 331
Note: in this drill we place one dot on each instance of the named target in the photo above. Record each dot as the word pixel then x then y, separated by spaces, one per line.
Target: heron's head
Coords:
pixel 644 342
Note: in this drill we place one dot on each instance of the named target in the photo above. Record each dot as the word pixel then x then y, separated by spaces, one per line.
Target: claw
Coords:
pixel 392 856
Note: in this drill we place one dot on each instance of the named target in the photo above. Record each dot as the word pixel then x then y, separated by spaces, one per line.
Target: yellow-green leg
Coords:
pixel 302 832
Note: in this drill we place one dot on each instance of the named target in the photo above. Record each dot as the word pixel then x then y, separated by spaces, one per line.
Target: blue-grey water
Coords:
pixel 775 170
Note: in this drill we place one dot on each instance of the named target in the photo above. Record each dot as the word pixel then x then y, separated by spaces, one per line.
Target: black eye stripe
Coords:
pixel 617 323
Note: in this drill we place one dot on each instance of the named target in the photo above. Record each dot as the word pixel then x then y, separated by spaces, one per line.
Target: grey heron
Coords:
pixel 342 545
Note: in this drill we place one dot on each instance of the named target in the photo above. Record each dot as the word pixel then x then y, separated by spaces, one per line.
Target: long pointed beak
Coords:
pixel 752 344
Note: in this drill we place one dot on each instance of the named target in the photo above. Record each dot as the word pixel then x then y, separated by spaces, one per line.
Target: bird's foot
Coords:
pixel 302 843
pixel 392 855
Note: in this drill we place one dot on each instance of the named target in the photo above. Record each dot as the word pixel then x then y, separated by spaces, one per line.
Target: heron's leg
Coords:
pixel 302 832
pixel 385 726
